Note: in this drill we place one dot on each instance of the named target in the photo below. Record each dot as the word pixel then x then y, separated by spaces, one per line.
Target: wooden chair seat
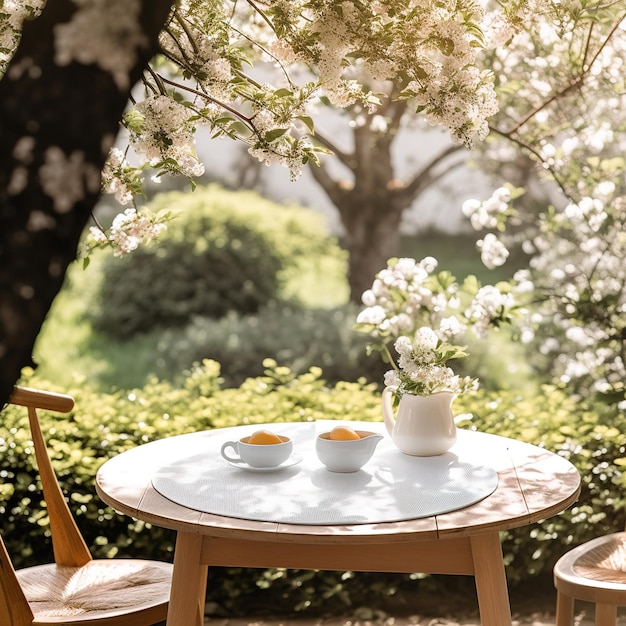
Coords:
pixel 593 572
pixel 99 590
pixel 75 589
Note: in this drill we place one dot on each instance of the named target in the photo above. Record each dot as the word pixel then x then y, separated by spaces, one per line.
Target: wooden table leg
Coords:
pixel 564 609
pixel 491 587
pixel 189 580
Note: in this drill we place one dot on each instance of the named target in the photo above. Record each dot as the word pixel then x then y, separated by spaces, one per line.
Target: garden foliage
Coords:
pixel 298 338
pixel 309 325
pixel 103 425
pixel 223 252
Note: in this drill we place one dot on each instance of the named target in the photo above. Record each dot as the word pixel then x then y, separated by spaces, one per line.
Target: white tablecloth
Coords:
pixel 390 487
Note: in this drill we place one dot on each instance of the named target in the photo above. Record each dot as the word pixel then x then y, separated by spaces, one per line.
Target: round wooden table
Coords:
pixel 532 484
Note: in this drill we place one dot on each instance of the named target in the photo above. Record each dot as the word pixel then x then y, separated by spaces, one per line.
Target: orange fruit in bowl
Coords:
pixel 343 433
pixel 264 437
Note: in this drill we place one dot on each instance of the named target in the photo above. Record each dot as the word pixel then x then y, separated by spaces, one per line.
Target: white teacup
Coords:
pixel 258 455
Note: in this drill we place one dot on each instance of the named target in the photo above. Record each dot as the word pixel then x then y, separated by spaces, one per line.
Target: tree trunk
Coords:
pixel 372 237
pixel 57 123
pixel 371 204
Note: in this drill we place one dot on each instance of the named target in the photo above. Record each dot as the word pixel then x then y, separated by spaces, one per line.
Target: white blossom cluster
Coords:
pixel 421 369
pixel 559 76
pixel 163 134
pixel 406 295
pixel 435 48
pixel 489 305
pixel 12 15
pixel 213 43
pixel 119 178
pixel 128 231
pixel 491 214
pixel 575 287
pixel 432 49
pixel 292 156
pixel 581 264
pixel 421 314
pixel 487 213
pixel 563 101
pixel 493 253
pixel 435 45
pixel 200 46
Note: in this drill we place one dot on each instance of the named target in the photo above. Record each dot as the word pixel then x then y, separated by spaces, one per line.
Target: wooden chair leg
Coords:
pixel 14 607
pixel 564 610
pixel 606 614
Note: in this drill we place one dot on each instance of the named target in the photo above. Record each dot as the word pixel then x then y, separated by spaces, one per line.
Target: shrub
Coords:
pixel 224 251
pixel 592 438
pixel 297 338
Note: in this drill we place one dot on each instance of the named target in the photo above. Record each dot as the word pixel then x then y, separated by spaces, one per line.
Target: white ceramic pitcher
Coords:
pixel 424 425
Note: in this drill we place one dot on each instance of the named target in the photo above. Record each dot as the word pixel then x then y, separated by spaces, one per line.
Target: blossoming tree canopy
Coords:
pixel 216 43
pixel 568 110
pixel 207 76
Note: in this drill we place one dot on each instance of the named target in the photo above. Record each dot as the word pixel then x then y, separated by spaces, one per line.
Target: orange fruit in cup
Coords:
pixel 264 437
pixel 343 433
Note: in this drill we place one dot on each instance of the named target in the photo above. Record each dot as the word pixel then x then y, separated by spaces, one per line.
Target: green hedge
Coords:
pixel 592 438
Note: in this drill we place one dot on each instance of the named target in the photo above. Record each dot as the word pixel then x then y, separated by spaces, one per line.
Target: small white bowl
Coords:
pixel 346 455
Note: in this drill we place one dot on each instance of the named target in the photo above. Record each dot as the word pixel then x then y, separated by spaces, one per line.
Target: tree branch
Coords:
pixel 331 187
pixel 346 158
pixel 425 177
pixel 574 82
pixel 526 148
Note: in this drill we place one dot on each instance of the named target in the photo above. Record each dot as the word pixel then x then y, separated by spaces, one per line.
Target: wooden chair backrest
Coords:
pixel 67 543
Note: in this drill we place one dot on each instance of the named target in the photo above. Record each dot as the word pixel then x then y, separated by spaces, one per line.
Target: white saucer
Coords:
pixel 294 459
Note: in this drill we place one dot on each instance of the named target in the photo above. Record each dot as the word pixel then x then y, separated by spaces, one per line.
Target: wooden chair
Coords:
pixel 593 572
pixel 75 589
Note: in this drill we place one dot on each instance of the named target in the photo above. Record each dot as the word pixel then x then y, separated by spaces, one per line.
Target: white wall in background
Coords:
pixel 438 208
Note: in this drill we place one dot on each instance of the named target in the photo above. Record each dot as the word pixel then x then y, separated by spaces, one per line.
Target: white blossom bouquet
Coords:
pixel 420 315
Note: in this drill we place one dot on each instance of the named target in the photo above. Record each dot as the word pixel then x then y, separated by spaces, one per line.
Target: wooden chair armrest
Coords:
pixel 46 400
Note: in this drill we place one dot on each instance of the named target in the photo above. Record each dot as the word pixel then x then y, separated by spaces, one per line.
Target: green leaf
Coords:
pixel 419 73
pixel 372 99
pixel 239 128
pixel 273 135
pixel 133 120
pixel 308 122
pixel 471 284
pixel 446 45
